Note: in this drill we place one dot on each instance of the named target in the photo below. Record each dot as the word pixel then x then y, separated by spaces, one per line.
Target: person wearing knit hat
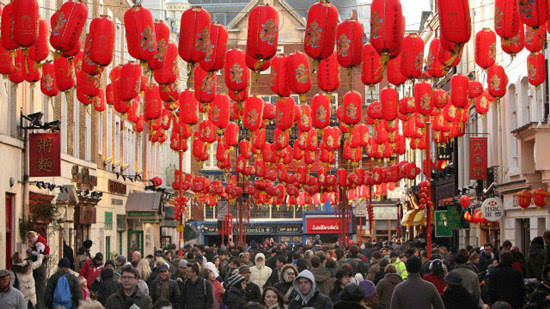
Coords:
pixel 235 295
pixel 370 299
pixel 252 290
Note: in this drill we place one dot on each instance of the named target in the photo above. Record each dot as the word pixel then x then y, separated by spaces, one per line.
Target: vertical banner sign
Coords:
pixel 44 154
pixel 478 157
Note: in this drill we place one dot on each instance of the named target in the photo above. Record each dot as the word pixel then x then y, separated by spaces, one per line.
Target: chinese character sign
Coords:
pixel 478 157
pixel 44 155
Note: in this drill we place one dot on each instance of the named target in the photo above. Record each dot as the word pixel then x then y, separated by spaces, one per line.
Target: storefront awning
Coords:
pixel 414 217
pixel 143 201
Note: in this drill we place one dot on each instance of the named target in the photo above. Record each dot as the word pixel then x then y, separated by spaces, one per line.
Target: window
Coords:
pixel 64 126
pixel 108 220
pixel 100 122
pixel 211 163
pixel 76 127
pixel 88 144
pixel 116 150
pixel 513 121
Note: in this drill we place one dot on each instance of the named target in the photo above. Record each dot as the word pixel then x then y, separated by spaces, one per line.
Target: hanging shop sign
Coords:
pixel 328 225
pixel 44 154
pixel 444 151
pixel 478 157
pixel 492 209
pixel 442 224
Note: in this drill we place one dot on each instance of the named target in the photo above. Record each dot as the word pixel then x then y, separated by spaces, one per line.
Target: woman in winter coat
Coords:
pixel 535 258
pixel 437 274
pixel 386 285
pixel 234 296
pixel 272 299
pixel 285 285
pixel 24 280
pixel 259 273
pixel 210 273
pixel 343 277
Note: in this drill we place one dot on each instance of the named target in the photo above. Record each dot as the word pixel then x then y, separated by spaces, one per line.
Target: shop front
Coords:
pixel 279 231
pixel 327 226
pixel 144 216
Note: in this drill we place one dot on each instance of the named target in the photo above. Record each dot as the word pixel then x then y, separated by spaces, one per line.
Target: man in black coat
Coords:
pixel 252 290
pixel 506 283
pixel 197 290
pixel 486 257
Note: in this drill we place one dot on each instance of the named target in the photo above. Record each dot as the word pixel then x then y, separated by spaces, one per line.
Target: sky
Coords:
pixel 412 9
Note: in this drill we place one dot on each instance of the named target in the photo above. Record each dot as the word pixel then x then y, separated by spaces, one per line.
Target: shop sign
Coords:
pixel 442 224
pixel 222 208
pixel 322 225
pixel 44 154
pixel 478 158
pixel 260 229
pixel 296 228
pixel 444 151
pixel 492 209
pixel 359 208
pixel 385 212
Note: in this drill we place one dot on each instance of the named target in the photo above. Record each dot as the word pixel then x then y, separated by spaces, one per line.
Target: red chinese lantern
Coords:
pixel 460 86
pixel 194 34
pixel 82 97
pixel 497 80
pixel 514 44
pixel 99 101
pixel 389 99
pixel 162 35
pixel 320 111
pixel 322 20
pixel 455 23
pixel 533 13
pixel 412 56
pixel 434 67
pixel 372 68
pixel 423 98
pixel 351 107
pixel 298 76
pixel 67 24
pixel 305 120
pixel 387 26
pixel 130 79
pixel 231 134
pixel 536 68
pixel 169 93
pixel 205 85
pixel 236 72
pixel 189 108
pixel 349 42
pixel 279 82
pixel 253 112
pixel 40 50
pixel 535 38
pixel 263 32
pixel 448 57
pixel 87 84
pixel 26 18
pixel 284 113
pixel 207 131
pixel 539 197
pixel 483 102
pixel 524 198
pixel 153 104
pixel 393 72
pixel 102 41
pixel 219 111
pixel 111 94
pixel 475 89
pixel 215 52
pixel 8 28
pixel 440 98
pixel 47 83
pixel 84 63
pixel 328 74
pixel 63 73
pixel 140 33
pixel 168 72
pixel 73 52
pixel 485 51
pixel 507 21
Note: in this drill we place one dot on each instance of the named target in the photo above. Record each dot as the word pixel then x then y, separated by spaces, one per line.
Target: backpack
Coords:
pixel 62 294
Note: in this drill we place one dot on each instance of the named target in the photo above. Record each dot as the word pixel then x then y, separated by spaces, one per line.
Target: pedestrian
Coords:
pixel 399 265
pixel 92 268
pixel 351 298
pixel 163 288
pixel 120 262
pixel 371 298
pixel 63 288
pixel 456 296
pixel 197 290
pixel 486 257
pixel 105 285
pixel 374 266
pixel 259 273
pixel 279 262
pixel 10 297
pixel 322 276
pixel 286 282
pixel 436 275
pixel 210 273
pixel 23 278
pixel 385 287
pixel 37 244
pixel 505 283
pixel 535 258
pixel 470 280
pixel 144 271
pixel 343 278
pixel 129 296
pixel 235 295
pixel 272 299
pixel 540 297
pixel 252 291
pixel 136 257
pixel 415 292
pixel 84 288
pixel 307 293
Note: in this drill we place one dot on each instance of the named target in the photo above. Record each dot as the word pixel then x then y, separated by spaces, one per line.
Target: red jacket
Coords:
pixel 90 272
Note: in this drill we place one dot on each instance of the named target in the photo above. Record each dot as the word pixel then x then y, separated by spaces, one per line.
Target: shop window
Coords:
pixel 208 212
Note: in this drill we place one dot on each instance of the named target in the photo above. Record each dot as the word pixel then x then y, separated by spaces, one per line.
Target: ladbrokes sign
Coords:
pixel 322 225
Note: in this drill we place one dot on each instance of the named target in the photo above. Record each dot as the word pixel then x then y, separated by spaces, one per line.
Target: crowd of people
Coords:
pixel 281 276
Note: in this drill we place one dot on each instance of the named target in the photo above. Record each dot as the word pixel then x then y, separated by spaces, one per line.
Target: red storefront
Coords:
pixel 327 226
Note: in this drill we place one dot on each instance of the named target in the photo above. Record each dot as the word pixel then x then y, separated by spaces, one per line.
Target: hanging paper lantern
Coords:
pixel 152 107
pixel 533 13
pixel 219 111
pixel 299 79
pixel 82 97
pixel 507 21
pixel 253 112
pixel 497 80
pixel 194 34
pixel 140 33
pixel 130 78
pixel 32 73
pixel 304 120
pixel 87 84
pixel 207 131
pixel 162 35
pixel 460 86
pixel 284 113
pixel 205 85
pixel 331 138
pixel 423 98
pixel 231 134
pixel 84 63
pixel 63 73
pixel 26 17
pixel 389 99
pixel 372 68
pixel 215 53
pixel 67 24
pixel 515 44
pixel 352 103
pixel 328 75
pixel 279 81
pixel 189 108
pixel 483 102
pixel 455 23
pixel 349 42
pixel 111 94
pixel 6 65
pixel 257 65
pixel 434 67
pixel 536 68
pixel 99 101
pixel 535 38
pixel 387 26
pixel 440 98
pixel 475 89
pixel 393 72
pixel 169 93
pixel 40 50
pixel 448 57
pixel 7 35
pixel 263 32
pixel 47 83
pixel 322 20
pixel 412 56
pixel 168 72
pixel 524 198
pixel 485 51
pixel 236 73
pixel 102 41
pixel 539 197
pixel 321 111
